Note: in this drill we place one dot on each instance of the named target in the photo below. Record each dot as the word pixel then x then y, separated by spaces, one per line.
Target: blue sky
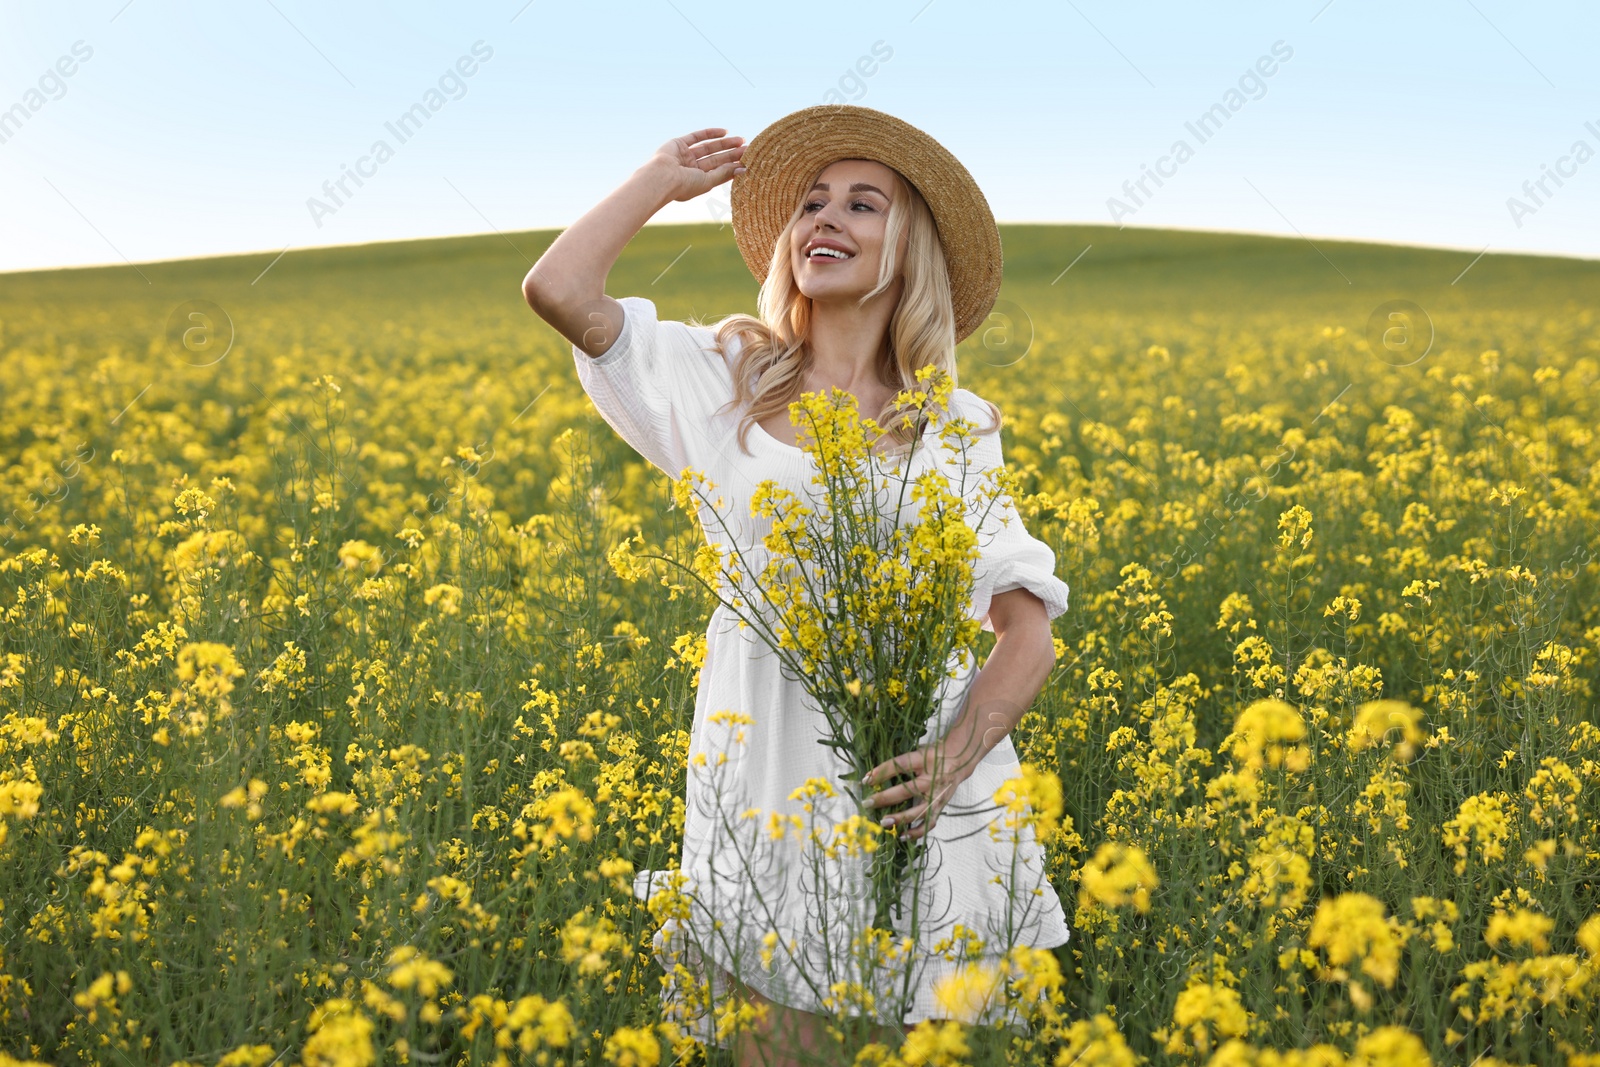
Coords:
pixel 194 129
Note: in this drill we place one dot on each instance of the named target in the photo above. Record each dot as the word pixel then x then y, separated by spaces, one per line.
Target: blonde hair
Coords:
pixel 774 352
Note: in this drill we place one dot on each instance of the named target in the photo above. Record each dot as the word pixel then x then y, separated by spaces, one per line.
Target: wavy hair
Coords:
pixel 774 350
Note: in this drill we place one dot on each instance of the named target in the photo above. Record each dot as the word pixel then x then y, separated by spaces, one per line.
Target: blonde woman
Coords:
pixel 877 254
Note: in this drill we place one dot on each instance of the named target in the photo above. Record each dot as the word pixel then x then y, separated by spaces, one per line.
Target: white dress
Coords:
pixel 763 898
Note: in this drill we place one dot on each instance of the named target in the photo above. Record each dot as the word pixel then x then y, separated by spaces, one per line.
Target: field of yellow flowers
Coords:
pixel 329 736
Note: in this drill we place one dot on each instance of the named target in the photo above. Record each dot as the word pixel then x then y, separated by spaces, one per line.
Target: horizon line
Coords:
pixel 1485 251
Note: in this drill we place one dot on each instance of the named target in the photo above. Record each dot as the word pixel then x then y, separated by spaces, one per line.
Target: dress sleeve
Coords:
pixel 657 385
pixel 1009 556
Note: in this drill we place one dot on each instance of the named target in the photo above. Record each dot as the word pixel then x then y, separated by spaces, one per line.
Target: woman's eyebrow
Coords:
pixel 855 187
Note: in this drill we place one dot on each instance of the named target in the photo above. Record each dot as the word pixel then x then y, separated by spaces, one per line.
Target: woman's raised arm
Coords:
pixel 567 287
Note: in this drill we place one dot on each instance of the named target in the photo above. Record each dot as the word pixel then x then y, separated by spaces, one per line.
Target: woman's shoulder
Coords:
pixel 964 400
pixel 966 404
pixel 643 312
pixel 691 346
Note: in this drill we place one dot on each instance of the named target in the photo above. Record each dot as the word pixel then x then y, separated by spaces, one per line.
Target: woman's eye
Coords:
pixel 859 203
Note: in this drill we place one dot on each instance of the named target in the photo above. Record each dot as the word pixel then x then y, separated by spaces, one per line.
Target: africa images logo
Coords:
pixel 52 85
pixel 1206 126
pixel 406 126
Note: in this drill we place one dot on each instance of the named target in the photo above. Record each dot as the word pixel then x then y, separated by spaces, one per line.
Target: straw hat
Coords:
pixel 783 161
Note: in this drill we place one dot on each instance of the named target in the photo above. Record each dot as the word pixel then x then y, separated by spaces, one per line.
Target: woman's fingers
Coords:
pixel 918 788
pixel 935 808
pixel 924 780
pixel 690 148
pixel 718 159
pixel 697 154
pixel 918 819
pixel 895 794
pixel 905 763
pixel 721 144
pixel 689 140
pixel 914 819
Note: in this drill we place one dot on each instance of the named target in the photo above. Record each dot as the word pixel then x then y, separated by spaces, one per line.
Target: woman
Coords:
pixel 877 254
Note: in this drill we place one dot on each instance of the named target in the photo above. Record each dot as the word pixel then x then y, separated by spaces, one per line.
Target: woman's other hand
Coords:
pixel 1022 658
pixel 926 777
pixel 699 162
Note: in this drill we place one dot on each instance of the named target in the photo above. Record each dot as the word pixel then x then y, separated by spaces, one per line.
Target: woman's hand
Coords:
pixel 927 777
pixel 1011 677
pixel 699 161
pixel 567 287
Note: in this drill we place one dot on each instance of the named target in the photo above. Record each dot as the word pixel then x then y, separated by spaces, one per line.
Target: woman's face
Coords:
pixel 847 213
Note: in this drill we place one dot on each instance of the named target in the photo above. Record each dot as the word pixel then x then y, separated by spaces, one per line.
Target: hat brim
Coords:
pixel 783 160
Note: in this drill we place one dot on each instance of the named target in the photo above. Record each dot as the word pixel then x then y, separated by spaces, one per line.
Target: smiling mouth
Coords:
pixel 828 255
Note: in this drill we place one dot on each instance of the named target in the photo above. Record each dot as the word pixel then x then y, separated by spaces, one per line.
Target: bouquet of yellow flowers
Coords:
pixel 864 589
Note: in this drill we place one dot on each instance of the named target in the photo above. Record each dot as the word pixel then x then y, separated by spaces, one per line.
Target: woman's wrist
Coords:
pixel 965 746
pixel 657 180
pixel 983 726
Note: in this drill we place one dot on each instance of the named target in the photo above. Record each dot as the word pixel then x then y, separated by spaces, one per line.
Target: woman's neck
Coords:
pixel 847 339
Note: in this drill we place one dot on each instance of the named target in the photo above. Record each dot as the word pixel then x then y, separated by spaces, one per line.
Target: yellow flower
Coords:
pixel 564 814
pixel 358 555
pixel 208 668
pixel 1205 1013
pixel 708 564
pixel 617 870
pixel 1268 734
pixel 1353 928
pixel 856 835
pixel 935 1044
pixel 1095 1042
pixel 969 993
pixel 1376 719
pixel 813 789
pixel 1033 798
pixel 333 804
pixel 1553 793
pixel 1280 866
pixel 1442 913
pixel 1480 824
pixel 589 942
pixel 19 799
pixel 1117 875
pixel 633 1047
pixel 1390 1046
pixel 446 596
pixel 1589 936
pixel 341 1036
pixel 193 501
pixel 410 968
pixel 624 559
pixel 246 796
pixel 1294 524
pixel 1522 927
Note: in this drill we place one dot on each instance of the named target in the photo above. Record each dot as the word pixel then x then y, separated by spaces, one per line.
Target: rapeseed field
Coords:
pixel 329 735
